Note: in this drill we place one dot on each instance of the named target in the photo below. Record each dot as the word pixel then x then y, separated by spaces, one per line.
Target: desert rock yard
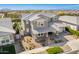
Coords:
pixel 29 43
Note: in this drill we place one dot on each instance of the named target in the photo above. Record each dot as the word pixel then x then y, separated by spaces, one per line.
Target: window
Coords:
pixel 3 41
pixel 7 40
pixel 41 34
pixel 38 34
pixel 41 24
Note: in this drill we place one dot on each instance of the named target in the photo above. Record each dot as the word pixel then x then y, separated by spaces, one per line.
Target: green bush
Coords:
pixel 7 49
pixel 54 50
pixel 17 27
pixel 74 32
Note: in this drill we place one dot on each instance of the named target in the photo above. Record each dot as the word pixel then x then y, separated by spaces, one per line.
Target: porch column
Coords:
pixel 46 34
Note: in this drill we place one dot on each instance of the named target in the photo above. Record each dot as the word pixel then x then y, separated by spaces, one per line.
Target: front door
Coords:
pixel 50 33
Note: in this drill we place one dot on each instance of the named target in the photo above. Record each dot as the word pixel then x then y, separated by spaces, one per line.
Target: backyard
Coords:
pixel 7 49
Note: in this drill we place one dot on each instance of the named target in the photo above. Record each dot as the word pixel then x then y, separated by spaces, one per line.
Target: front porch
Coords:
pixel 44 38
pixel 50 38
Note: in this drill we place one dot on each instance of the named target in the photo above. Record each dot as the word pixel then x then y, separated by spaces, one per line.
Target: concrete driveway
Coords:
pixel 70 37
pixel 18 47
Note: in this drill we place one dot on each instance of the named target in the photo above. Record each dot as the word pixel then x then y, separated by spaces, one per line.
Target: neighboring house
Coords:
pixel 6 31
pixel 71 21
pixel 41 26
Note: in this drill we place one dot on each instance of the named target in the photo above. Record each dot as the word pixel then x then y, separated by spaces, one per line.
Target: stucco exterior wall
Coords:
pixel 37 23
pixel 6 37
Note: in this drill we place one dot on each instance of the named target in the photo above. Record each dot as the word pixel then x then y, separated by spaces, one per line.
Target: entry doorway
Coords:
pixel 50 33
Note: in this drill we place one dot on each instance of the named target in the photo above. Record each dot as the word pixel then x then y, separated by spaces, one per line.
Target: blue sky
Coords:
pixel 40 6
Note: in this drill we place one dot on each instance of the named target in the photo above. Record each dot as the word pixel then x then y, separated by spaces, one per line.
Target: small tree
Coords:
pixel 17 28
pixel 54 50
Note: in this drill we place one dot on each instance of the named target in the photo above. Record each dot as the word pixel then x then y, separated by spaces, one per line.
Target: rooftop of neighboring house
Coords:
pixel 71 11
pixel 5 29
pixel 6 22
pixel 69 19
pixel 6 26
pixel 33 16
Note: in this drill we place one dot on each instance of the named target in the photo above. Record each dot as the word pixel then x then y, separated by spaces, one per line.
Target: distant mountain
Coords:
pixel 5 10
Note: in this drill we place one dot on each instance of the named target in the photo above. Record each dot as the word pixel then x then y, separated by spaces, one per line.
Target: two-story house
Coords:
pixel 6 31
pixel 41 26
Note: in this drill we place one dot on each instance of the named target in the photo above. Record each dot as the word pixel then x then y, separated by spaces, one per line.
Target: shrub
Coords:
pixel 54 50
pixel 17 27
pixel 7 49
pixel 74 32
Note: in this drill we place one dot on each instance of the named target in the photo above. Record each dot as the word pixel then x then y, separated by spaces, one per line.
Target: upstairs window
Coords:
pixel 40 24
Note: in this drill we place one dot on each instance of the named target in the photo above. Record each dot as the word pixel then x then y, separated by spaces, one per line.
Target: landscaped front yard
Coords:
pixel 54 50
pixel 29 43
pixel 7 49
